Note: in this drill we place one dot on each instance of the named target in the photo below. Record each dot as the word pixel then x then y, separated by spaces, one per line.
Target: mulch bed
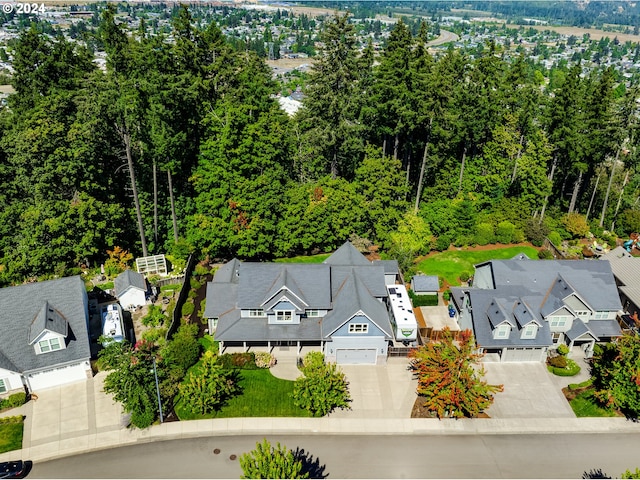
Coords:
pixel 419 411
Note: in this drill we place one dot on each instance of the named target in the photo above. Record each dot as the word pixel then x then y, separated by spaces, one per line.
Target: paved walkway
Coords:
pixel 80 417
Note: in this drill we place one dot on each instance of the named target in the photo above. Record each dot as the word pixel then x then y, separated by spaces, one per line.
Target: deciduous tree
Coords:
pixel 449 376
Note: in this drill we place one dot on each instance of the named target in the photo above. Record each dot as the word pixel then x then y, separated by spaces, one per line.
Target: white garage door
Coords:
pixel 58 376
pixel 356 356
pixel 522 355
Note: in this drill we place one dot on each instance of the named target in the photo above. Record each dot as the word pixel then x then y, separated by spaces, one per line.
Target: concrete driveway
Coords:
pixel 530 391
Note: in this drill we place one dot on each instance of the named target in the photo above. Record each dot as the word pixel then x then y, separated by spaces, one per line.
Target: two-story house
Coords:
pixel 519 308
pixel 337 306
pixel 44 340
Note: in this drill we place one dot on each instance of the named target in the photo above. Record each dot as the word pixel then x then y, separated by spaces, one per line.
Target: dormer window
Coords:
pixel 257 313
pixel 502 331
pixel 529 331
pixel 284 315
pixel 49 345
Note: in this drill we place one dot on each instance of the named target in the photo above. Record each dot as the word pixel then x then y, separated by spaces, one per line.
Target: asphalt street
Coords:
pixel 367 456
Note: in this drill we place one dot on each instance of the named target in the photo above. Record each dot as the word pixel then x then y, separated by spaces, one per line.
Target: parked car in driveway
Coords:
pixel 11 469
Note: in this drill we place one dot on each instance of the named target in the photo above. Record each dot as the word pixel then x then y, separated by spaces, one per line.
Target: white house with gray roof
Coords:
pixel 44 339
pixel 520 308
pixel 131 289
pixel 337 306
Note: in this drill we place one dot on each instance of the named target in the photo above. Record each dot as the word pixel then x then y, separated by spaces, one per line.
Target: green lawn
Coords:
pixel 450 264
pixel 263 396
pixel 11 433
pixel 305 259
pixel 584 405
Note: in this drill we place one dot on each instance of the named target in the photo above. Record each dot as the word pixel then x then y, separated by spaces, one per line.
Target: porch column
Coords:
pixel 298 342
pixel 222 346
pixel 244 344
pixel 269 346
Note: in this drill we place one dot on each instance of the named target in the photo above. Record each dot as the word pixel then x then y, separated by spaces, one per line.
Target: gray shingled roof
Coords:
pixel 127 279
pixel 258 279
pixel 221 298
pixel 347 254
pixel 285 283
pixel 579 328
pixel 425 283
pixel 390 266
pixel 20 305
pixel 372 276
pixel 353 296
pixel 605 328
pixel 592 279
pixel 48 318
pixel 228 273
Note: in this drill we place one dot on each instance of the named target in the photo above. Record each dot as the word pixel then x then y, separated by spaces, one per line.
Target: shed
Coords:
pixel 131 289
pixel 425 284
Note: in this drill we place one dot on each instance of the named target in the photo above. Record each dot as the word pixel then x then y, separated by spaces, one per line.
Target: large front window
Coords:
pixel 284 315
pixel 49 345
pixel 601 315
pixel 256 312
pixel 530 331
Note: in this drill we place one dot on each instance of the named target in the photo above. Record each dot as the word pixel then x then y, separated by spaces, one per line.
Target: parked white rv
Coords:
pixel 403 319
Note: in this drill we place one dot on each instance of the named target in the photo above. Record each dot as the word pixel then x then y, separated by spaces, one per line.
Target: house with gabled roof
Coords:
pixel 519 309
pixel 337 306
pixel 131 289
pixel 44 340
pixel 626 270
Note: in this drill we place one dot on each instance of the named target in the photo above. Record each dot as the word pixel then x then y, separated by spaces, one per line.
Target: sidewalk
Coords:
pixel 80 417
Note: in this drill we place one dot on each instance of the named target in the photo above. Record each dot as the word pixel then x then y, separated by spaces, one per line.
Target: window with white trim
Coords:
pixel 502 331
pixel 601 315
pixel 530 331
pixel 49 345
pixel 257 312
pixel 559 321
pixel 313 313
pixel 284 315
pixel 358 327
pixel 3 385
pixel 583 313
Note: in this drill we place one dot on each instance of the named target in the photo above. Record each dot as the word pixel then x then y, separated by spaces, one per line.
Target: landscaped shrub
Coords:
pixel 201 270
pixel 576 225
pixel 554 237
pixel 570 370
pixel 505 231
pixel 14 419
pixel 13 401
pixel 545 254
pixel 265 360
pixel 484 234
pixel 245 360
pixel 446 295
pixel 443 242
pixel 188 308
pixel 558 362
pixel 563 349
pixel 535 231
pixel 194 283
pixel 464 276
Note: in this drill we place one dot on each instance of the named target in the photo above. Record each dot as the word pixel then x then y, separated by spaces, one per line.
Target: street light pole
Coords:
pixel 155 374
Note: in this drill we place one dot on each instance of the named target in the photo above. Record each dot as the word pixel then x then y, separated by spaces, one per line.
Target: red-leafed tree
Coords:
pixel 450 376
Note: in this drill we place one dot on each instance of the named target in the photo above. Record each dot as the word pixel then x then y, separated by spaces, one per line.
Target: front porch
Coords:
pixel 297 348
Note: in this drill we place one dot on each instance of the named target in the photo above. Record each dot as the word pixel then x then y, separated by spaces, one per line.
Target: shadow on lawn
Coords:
pixel 309 465
pixel 595 473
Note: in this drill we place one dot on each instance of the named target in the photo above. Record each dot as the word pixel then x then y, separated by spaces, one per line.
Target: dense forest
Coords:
pixel 180 145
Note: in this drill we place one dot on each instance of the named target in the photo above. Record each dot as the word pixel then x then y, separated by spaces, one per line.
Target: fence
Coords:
pixel 182 297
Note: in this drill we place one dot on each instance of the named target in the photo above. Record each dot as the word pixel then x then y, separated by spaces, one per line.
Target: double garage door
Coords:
pixel 523 355
pixel 356 356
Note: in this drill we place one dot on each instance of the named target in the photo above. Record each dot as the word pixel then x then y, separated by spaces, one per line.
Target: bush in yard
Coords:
pixel 536 231
pixel 265 360
pixel 558 362
pixel 13 401
pixel 630 474
pixel 505 232
pixel 484 234
pixel 571 368
pixel 563 349
pixel 155 317
pixel 443 242
pixel 576 224
pixel 246 360
pixel 554 237
pixel 201 270
pixel 187 309
pixel 545 254
pixel 267 461
pixel 207 389
pixel 184 349
pixel 323 388
pixel 465 276
pixel 194 283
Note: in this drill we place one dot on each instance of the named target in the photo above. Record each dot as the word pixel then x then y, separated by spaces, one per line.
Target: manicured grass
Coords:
pixel 452 263
pixel 171 287
pixel 305 259
pixel 584 405
pixel 11 433
pixel 263 396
